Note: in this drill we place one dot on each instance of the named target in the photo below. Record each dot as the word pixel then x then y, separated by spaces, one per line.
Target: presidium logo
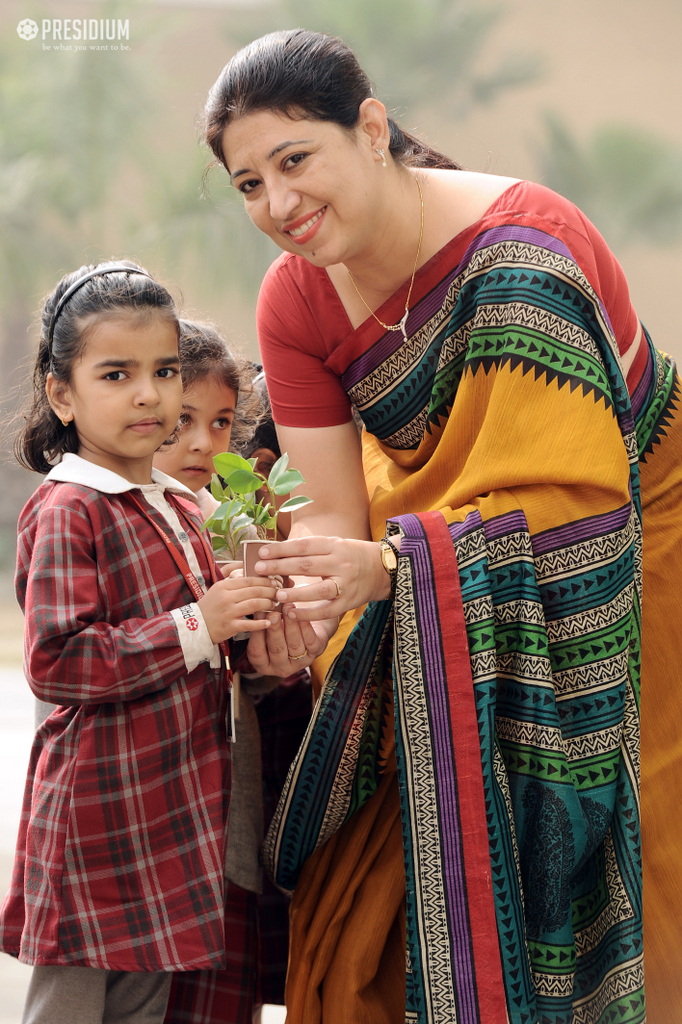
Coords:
pixel 77 33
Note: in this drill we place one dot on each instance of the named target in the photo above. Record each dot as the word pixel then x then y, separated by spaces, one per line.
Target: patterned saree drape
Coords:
pixel 502 447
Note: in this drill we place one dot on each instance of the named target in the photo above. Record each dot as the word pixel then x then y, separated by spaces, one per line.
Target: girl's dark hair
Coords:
pixel 303 74
pixel 204 354
pixel 265 434
pixel 42 439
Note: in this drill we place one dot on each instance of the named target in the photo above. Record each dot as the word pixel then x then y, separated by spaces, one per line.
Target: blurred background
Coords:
pixel 100 157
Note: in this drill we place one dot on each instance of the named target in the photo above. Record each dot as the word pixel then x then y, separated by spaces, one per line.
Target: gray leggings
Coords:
pixel 88 995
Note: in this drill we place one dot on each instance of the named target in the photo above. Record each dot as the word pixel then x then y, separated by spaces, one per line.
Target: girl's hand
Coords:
pixel 227 568
pixel 228 602
pixel 350 573
pixel 288 646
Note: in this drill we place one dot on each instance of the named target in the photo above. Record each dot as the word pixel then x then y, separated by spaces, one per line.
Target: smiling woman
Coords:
pixel 461 824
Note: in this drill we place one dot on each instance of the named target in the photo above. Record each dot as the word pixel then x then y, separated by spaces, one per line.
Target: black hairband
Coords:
pixel 117 269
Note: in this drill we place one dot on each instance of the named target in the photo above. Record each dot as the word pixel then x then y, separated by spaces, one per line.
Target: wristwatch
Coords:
pixel 389 560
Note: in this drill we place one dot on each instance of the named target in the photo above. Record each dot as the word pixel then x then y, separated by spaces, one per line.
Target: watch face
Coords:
pixel 388 558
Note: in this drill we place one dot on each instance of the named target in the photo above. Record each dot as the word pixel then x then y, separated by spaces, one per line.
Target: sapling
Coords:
pixel 241 511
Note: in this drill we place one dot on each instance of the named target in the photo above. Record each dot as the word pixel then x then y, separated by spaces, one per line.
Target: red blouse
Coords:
pixel 307 341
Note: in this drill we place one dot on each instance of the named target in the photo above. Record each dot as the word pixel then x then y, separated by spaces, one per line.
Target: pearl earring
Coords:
pixel 383 157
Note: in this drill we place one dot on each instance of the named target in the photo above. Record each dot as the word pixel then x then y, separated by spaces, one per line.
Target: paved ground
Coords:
pixel 16 734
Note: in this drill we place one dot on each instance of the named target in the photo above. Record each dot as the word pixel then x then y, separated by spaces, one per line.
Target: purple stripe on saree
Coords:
pixel 414 546
pixel 581 530
pixel 642 389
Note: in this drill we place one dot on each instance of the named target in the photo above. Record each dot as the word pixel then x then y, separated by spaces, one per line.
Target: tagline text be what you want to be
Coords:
pixel 85 33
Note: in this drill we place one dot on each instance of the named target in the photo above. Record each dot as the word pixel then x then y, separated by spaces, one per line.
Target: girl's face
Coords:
pixel 125 393
pixel 204 431
pixel 310 185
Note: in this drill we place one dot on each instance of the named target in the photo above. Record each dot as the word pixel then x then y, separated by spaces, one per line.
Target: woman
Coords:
pixel 473 759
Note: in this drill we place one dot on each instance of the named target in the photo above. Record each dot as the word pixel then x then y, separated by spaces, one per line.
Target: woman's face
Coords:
pixel 309 185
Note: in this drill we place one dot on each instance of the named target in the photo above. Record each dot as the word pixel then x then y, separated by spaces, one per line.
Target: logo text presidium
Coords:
pixel 85 28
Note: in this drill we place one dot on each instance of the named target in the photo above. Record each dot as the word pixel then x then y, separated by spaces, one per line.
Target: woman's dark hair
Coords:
pixel 303 74
pixel 42 438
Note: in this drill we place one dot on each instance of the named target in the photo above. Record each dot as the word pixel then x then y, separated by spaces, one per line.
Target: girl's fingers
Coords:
pixel 251 625
pixel 227 568
pixel 253 605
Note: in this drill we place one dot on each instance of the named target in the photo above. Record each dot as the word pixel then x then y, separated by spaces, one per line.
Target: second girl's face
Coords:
pixel 205 428
pixel 307 184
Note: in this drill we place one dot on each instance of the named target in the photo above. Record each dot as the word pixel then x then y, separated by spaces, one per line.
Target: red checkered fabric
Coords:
pixel 119 861
pixel 226 996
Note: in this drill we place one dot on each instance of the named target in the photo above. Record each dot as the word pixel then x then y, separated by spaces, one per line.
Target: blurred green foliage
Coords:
pixel 415 51
pixel 627 181
pixel 85 168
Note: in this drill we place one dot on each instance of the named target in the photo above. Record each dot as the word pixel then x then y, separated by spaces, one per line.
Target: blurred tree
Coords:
pixel 85 169
pixel 69 125
pixel 416 51
pixel 627 181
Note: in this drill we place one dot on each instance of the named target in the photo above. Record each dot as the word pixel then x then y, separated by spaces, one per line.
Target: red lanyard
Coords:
pixel 180 560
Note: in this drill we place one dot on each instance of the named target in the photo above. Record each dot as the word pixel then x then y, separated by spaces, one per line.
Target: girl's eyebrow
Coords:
pixel 195 408
pixel 275 151
pixel 127 364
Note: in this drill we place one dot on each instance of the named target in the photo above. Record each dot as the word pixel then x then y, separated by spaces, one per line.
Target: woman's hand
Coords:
pixel 288 645
pixel 349 574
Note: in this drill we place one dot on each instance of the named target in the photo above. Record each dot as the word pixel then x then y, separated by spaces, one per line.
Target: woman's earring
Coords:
pixel 65 423
pixel 383 157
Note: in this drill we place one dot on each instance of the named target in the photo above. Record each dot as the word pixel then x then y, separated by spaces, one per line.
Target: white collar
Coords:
pixel 75 470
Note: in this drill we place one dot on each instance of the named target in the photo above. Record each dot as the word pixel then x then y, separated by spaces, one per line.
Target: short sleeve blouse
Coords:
pixel 301 321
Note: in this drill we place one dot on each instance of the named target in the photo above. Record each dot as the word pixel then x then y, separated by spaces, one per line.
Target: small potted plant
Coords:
pixel 241 511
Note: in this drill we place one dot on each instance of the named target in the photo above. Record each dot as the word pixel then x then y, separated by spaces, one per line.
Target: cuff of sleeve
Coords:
pixel 195 641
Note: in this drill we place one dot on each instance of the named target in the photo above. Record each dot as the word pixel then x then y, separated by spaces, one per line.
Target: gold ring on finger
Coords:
pixel 338 588
pixel 298 657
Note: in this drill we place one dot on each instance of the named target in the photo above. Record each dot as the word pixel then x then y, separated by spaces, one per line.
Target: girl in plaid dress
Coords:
pixel 118 877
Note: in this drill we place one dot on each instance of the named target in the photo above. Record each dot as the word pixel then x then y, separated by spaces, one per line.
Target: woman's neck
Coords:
pixel 453 201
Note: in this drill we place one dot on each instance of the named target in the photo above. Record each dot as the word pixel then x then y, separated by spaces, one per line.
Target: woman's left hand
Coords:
pixel 349 574
pixel 287 646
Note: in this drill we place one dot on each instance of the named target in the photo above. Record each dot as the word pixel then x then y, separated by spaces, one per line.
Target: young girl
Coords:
pixel 256 914
pixel 211 384
pixel 118 878
pixel 211 381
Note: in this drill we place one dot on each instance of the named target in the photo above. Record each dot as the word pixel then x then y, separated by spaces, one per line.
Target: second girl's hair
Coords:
pixel 205 355
pixel 43 439
pixel 303 74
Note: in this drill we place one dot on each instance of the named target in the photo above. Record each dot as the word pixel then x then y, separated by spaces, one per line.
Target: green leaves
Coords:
pixel 244 481
pixel 239 507
pixel 227 462
pixel 294 503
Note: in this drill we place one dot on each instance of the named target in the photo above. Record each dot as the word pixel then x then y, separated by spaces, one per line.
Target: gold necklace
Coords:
pixel 402 324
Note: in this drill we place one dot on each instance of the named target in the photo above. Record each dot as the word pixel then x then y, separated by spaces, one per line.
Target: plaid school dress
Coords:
pixel 120 853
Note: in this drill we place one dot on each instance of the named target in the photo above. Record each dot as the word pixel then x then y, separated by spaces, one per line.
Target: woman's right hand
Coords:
pixel 226 605
pixel 348 572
